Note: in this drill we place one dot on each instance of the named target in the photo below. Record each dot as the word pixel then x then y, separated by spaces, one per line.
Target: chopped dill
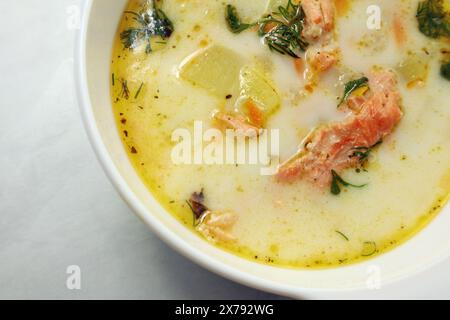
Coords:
pixel 342 235
pixel 138 91
pixel 281 30
pixel 125 91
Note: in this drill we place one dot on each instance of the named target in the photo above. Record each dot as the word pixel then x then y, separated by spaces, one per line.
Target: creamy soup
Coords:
pixel 353 95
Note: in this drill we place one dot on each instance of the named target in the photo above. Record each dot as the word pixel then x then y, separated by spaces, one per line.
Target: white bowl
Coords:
pixel 94 51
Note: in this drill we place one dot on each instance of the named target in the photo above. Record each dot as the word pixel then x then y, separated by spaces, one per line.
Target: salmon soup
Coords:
pixel 346 104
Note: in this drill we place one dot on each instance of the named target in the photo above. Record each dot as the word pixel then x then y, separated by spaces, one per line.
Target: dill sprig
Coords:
pixel 281 30
pixel 125 93
pixel 151 22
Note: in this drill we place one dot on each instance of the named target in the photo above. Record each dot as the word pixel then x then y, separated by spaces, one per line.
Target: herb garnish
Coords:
pixel 234 21
pixel 342 235
pixel 281 31
pixel 286 35
pixel 337 181
pixel 138 91
pixel 434 21
pixel 152 22
pixel 363 153
pixel 352 86
pixel 197 205
pixel 369 249
pixel 125 91
pixel 445 70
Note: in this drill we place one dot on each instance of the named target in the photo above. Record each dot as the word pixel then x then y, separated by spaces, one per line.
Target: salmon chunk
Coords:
pixel 319 17
pixel 323 61
pixel 332 147
pixel 216 226
pixel 239 123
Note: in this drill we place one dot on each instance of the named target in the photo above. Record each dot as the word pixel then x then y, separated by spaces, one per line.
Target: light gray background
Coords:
pixel 57 208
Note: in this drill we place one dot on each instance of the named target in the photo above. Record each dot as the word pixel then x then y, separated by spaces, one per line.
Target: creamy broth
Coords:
pixel 297 224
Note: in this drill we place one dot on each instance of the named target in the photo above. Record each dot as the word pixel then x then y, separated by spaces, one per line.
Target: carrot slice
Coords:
pixel 255 113
pixel 399 30
pixel 299 66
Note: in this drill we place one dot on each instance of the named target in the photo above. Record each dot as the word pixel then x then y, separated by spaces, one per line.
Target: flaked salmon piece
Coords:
pixel 355 103
pixel 216 226
pixel 313 11
pixel 319 17
pixel 328 11
pixel 323 61
pixel 332 147
pixel 239 123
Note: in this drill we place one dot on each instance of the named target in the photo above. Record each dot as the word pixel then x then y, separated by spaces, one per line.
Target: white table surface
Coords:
pixel 57 208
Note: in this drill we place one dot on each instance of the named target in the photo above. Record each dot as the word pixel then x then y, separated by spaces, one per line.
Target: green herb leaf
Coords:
pixel 234 21
pixel 125 93
pixel 338 181
pixel 151 22
pixel 281 31
pixel 285 37
pixel 445 70
pixel 363 153
pixel 351 86
pixel 434 22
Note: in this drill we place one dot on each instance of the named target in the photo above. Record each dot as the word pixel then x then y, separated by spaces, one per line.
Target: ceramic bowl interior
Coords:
pixel 100 22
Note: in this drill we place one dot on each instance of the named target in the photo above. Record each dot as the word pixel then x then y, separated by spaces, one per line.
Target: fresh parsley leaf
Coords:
pixel 363 153
pixel 338 181
pixel 352 86
pixel 234 21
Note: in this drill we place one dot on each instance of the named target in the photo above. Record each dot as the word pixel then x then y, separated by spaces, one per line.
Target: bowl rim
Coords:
pixel 162 231
pixel 119 183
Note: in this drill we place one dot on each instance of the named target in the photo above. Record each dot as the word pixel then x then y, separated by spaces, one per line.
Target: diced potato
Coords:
pixel 414 68
pixel 251 10
pixel 256 87
pixel 215 69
